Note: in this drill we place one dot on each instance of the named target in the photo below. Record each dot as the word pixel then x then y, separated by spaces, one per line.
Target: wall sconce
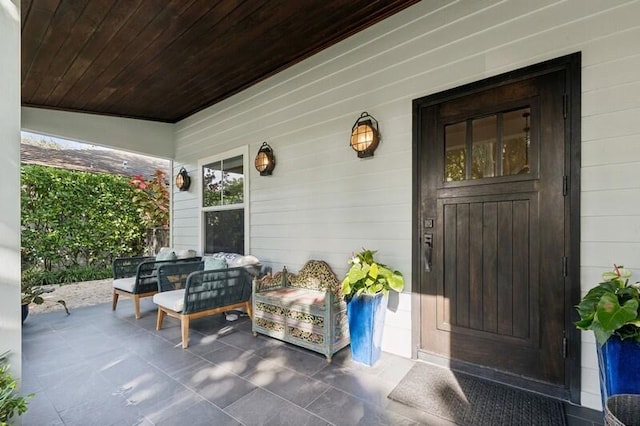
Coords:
pixel 265 161
pixel 365 135
pixel 183 180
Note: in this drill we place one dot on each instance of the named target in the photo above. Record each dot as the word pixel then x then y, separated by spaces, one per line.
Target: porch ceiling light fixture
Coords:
pixel 365 135
pixel 265 161
pixel 183 181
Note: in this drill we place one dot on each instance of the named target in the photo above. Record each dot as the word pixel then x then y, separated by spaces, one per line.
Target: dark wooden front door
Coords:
pixel 491 185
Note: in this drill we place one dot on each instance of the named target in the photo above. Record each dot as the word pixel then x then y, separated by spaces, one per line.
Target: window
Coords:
pixel 499 145
pixel 223 201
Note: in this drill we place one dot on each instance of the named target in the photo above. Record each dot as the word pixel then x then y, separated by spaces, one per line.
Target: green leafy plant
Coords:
pixel 71 218
pixel 366 276
pixel 11 402
pixel 611 308
pixel 31 292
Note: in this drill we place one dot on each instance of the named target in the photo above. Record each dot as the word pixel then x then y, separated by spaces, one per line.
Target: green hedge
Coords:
pixel 73 219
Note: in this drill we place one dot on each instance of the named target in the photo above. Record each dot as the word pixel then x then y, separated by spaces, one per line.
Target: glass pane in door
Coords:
pixel 516 142
pixel 455 137
pixel 484 147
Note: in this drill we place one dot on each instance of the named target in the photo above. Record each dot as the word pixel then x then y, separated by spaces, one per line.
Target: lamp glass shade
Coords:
pixel 265 162
pixel 262 161
pixel 365 135
pixel 362 136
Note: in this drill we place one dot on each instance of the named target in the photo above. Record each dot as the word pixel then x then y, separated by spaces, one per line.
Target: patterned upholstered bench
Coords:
pixel 306 309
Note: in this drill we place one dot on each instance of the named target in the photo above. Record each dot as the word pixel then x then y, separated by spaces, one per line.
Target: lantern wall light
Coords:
pixel 183 180
pixel 365 135
pixel 265 160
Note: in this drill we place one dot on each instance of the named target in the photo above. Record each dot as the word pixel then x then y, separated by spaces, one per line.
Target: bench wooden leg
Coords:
pixel 136 305
pixel 115 300
pixel 184 323
pixel 161 315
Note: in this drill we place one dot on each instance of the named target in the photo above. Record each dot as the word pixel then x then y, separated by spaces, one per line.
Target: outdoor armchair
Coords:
pixel 137 277
pixel 208 292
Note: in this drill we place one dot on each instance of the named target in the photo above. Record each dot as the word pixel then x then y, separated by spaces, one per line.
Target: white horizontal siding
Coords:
pixel 323 202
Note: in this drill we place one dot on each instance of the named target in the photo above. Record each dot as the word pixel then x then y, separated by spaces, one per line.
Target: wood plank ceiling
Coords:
pixel 164 60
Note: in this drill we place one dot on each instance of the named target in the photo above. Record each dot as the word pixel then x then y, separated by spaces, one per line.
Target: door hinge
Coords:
pixel 565 105
pixel 565 350
pixel 565 185
pixel 565 266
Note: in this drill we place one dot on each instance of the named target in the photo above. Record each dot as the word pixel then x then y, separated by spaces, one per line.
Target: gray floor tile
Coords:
pixel 340 409
pixel 258 407
pixel 300 360
pixel 294 416
pixel 110 410
pixel 148 389
pixel 288 384
pixel 77 387
pixel 202 413
pixel 172 358
pixel 364 385
pixel 41 412
pixel 216 384
pixel 235 360
pixel 160 409
pixel 201 344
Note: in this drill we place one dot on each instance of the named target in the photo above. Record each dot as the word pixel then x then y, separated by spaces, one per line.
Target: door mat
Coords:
pixel 468 400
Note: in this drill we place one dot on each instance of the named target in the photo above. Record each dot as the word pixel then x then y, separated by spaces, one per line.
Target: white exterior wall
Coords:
pixel 139 136
pixel 10 319
pixel 322 202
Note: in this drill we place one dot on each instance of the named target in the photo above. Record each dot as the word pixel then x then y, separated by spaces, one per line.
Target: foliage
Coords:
pixel 151 199
pixel 72 274
pixel 32 291
pixel 366 276
pixel 10 401
pixel 611 308
pixel 72 218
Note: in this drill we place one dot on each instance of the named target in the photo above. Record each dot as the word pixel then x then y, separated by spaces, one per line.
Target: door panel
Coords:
pixel 492 182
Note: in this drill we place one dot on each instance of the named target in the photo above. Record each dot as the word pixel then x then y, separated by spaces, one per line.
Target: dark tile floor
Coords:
pixel 97 367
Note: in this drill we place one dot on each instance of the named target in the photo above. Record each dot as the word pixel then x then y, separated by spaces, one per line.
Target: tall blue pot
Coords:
pixel 618 362
pixel 366 321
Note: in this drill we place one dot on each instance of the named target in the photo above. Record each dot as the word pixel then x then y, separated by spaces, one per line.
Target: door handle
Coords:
pixel 428 251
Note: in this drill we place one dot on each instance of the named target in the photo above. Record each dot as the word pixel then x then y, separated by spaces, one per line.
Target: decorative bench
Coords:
pixel 137 277
pixel 205 292
pixel 306 309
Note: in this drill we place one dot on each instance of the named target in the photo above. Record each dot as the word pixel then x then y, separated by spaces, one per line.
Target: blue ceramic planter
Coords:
pixel 366 320
pixel 618 362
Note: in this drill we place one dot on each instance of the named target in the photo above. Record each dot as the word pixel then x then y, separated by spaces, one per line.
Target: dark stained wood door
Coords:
pixel 492 220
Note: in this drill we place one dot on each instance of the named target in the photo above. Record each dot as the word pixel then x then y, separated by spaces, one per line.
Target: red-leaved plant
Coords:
pixel 152 199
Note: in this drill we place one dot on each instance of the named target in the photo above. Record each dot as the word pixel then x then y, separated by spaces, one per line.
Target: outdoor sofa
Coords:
pixel 193 290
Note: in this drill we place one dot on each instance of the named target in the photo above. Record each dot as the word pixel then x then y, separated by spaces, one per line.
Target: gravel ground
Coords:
pixel 75 295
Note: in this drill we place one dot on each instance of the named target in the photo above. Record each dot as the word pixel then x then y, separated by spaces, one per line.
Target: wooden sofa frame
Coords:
pixel 206 293
pixel 306 309
pixel 145 271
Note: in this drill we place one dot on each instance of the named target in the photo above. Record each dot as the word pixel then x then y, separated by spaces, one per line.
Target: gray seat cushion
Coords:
pixel 173 299
pixel 125 284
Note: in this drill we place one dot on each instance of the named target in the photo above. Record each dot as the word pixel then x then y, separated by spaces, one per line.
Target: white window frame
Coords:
pixel 244 151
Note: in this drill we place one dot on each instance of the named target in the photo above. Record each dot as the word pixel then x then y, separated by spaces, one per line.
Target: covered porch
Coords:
pixel 322 201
